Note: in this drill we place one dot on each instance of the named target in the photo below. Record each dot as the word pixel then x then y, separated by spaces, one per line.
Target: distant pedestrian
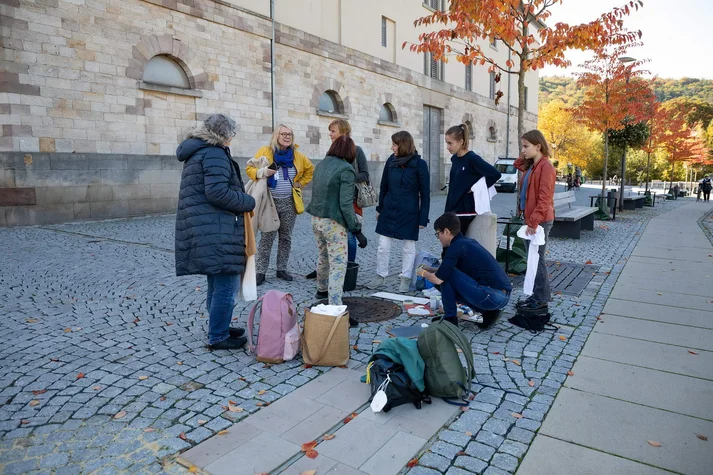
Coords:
pixel 404 201
pixel 466 169
pixel 210 230
pixel 706 188
pixel 537 203
pixel 287 173
pixel 333 215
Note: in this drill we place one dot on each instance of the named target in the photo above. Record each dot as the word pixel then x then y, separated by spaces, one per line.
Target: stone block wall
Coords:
pixel 100 141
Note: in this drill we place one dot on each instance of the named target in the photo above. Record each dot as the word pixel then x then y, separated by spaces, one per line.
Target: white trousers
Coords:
pixel 382 257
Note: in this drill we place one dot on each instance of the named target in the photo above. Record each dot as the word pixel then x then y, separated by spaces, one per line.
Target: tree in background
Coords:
pixel 612 99
pixel 570 141
pixel 675 137
pixel 520 25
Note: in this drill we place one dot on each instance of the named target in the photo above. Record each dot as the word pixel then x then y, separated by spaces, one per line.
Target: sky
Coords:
pixel 677 35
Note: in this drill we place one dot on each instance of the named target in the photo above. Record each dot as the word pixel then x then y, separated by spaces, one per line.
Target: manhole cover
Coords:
pixel 369 309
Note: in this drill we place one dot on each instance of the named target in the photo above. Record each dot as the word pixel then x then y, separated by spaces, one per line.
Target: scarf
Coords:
pixel 401 161
pixel 285 159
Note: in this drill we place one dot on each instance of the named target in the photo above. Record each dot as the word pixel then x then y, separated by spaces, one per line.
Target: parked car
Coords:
pixel 508 181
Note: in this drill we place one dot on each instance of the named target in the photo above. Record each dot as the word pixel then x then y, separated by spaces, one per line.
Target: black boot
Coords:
pixel 236 332
pixel 353 323
pixel 229 344
pixel 489 317
pixel 259 279
pixel 282 274
pixel 321 295
pixel 311 275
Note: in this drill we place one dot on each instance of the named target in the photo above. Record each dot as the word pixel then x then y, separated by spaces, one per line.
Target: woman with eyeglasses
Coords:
pixel 287 173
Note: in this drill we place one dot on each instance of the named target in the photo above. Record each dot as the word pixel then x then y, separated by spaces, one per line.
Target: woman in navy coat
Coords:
pixel 404 200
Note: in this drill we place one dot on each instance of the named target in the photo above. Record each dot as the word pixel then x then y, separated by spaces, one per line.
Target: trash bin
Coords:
pixel 350 278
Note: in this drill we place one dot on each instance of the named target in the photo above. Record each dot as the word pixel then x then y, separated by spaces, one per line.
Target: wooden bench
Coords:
pixel 570 220
pixel 633 200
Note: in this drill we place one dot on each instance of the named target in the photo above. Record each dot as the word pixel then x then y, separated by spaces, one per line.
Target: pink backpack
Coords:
pixel 278 338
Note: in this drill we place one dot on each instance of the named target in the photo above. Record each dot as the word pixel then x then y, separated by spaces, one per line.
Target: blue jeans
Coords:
pixel 351 247
pixel 222 291
pixel 462 288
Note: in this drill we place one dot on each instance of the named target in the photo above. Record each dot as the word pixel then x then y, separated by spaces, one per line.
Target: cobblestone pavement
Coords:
pixel 105 368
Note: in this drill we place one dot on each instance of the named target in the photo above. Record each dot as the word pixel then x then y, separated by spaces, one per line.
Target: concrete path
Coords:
pixel 645 376
pixel 367 443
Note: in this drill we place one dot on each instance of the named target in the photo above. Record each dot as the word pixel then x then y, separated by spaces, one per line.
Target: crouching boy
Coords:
pixel 468 274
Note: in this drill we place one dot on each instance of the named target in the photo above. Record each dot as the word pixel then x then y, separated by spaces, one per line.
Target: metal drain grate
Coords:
pixel 370 309
pixel 566 277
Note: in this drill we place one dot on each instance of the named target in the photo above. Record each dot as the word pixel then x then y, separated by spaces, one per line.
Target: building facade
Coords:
pixel 95 95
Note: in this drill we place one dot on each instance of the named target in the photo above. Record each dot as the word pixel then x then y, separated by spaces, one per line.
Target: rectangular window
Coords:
pixel 469 77
pixel 494 43
pixel 492 85
pixel 383 31
pixel 431 67
pixel 435 4
pixel 525 98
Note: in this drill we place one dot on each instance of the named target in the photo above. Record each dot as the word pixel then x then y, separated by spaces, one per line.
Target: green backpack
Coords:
pixel 445 375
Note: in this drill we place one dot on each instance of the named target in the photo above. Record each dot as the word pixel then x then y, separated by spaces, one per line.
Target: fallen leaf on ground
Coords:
pixel 241 379
pixel 515 362
pixel 54 359
pixel 469 434
pixel 311 454
pixel 261 404
pixel 267 365
pixel 307 366
pixel 67 330
pixel 599 317
pixel 136 320
pixel 376 341
pixel 80 375
pixel 143 378
pixel 458 454
pixel 232 402
pixel 119 414
pixel 588 263
pixel 496 352
pixel 692 352
pixel 309 472
pixel 31 320
pixel 223 432
pixel 37 392
pixel 162 398
pixel 149 429
pixel 702 437
pixel 34 403
pixel 563 338
pixel 653 443
pixel 570 373
pixel 412 463
pixel 517 415
pixel 232 408
pixel 309 445
pixel 182 436
pixel 193 469
pixel 261 392
pixel 355 348
pixel 329 436
pixel 531 383
pixel 179 363
pixel 168 324
pixel 24 421
pixel 201 422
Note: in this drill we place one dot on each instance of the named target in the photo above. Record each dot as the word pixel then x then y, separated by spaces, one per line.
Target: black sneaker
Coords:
pixel 229 344
pixel 311 275
pixel 526 301
pixel 533 307
pixel 284 275
pixel 236 332
pixel 259 279
pixel 321 295
pixel 353 323
pixel 489 317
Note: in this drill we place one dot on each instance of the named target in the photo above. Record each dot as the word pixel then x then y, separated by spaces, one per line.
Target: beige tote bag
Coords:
pixel 325 339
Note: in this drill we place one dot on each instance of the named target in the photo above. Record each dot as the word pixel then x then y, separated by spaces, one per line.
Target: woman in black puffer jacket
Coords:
pixel 210 234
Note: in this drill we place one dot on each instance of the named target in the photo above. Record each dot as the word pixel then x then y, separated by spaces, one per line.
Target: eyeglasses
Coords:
pixel 286 134
pixel 438 233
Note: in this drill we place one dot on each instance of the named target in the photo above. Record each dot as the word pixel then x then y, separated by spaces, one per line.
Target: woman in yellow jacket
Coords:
pixel 288 172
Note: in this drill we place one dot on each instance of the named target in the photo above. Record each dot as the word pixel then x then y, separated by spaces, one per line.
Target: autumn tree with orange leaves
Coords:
pixel 615 97
pixel 520 25
pixel 675 136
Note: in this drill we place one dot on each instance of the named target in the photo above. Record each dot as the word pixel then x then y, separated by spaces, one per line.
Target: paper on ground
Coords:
pixel 331 310
pixel 401 298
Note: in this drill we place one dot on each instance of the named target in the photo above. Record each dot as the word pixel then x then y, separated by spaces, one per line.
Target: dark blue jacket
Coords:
pixel 465 172
pixel 210 234
pixel 470 257
pixel 404 199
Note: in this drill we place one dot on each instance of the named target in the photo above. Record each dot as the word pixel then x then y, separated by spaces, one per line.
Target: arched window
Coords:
pixel 492 134
pixel 331 103
pixel 387 113
pixel 164 71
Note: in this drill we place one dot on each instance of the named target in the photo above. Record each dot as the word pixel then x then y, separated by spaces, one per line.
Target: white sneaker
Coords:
pixel 405 284
pixel 375 283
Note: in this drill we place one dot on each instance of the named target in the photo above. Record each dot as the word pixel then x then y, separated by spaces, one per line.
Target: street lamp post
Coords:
pixel 624 60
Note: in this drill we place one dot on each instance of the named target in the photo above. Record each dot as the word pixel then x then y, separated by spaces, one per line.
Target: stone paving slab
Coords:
pixel 692 287
pixel 635 328
pixel 647 354
pixel 682 394
pixel 556 457
pixel 624 429
pixel 662 297
pixel 660 313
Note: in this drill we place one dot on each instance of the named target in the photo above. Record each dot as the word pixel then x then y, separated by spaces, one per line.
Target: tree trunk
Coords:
pixel 604 204
pixel 673 167
pixel 520 106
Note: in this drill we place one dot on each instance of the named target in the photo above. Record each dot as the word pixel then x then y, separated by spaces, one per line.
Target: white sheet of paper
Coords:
pixel 401 298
